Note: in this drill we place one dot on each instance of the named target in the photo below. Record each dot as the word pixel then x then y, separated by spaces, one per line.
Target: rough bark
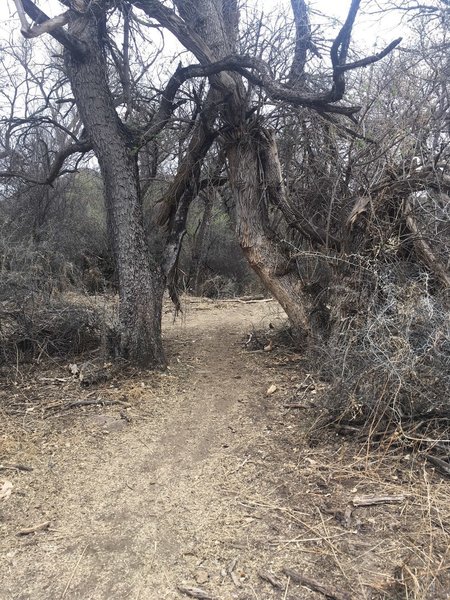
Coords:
pixel 208 29
pixel 141 283
pixel 278 274
pixel 252 159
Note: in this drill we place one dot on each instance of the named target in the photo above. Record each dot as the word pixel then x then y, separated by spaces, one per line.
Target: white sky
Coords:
pixel 369 30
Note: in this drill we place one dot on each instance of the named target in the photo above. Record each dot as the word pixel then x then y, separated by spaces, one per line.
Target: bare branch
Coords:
pixel 57 32
pixel 55 169
pixel 302 40
pixel 176 25
pixel 47 26
pixel 79 147
pixel 22 15
pixel 264 78
pixel 364 62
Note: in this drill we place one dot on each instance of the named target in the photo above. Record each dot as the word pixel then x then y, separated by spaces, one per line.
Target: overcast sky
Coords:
pixel 368 30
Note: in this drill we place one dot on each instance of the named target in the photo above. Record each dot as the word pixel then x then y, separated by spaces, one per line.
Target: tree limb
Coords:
pixel 79 147
pixel 55 169
pixel 364 62
pixel 47 26
pixel 302 41
pixel 264 78
pixel 178 27
pixel 57 32
pixel 423 248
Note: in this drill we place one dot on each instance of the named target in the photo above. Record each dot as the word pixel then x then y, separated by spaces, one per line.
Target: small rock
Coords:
pixel 273 388
pixel 201 577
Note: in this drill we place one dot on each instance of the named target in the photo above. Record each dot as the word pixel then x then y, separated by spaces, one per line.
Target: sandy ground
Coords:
pixel 199 479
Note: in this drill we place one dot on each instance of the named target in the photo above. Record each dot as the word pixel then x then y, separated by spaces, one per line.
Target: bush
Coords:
pixel 41 326
pixel 390 363
pixel 224 272
pixel 37 315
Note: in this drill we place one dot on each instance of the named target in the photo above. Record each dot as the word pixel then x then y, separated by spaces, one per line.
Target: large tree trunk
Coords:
pixel 141 283
pixel 254 169
pixel 251 153
pixel 249 170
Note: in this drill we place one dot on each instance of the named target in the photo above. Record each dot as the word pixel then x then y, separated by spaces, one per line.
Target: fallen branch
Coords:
pixel 274 581
pixel 15 467
pixel 248 301
pixel 40 527
pixel 232 574
pixel 80 403
pixel 442 466
pixel 424 249
pixel 371 500
pixel 294 405
pixel 195 593
pixel 327 590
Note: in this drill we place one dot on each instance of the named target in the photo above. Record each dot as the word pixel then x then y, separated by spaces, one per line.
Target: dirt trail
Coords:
pixel 134 508
pixel 203 473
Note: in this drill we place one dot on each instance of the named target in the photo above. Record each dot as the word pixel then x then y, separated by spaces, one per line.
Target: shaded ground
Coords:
pixel 198 478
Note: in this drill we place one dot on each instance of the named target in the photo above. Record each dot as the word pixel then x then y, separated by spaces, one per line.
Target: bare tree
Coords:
pixel 231 115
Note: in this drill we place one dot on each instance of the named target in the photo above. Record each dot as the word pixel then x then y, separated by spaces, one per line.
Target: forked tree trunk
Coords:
pixel 141 283
pixel 254 169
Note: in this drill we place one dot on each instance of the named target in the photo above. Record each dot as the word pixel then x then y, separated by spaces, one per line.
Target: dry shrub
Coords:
pixel 388 361
pixel 55 327
pixel 36 316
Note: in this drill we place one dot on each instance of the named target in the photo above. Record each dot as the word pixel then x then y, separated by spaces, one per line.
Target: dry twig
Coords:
pixel 15 467
pixel 274 581
pixel 370 500
pixel 40 527
pixel 195 593
pixel 442 466
pixel 327 590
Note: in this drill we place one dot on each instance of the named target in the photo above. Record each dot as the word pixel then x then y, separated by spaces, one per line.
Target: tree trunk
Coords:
pixel 141 283
pixel 254 169
pixel 278 274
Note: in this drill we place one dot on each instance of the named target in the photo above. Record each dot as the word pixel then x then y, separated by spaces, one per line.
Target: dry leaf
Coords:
pixel 5 489
pixel 273 388
pixel 73 368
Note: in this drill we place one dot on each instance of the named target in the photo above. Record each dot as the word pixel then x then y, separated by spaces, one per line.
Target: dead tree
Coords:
pixel 231 117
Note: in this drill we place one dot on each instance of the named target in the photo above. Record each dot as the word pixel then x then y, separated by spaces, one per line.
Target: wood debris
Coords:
pixel 441 465
pixel 193 592
pixel 370 500
pixel 327 590
pixel 274 581
pixel 40 527
pixel 15 467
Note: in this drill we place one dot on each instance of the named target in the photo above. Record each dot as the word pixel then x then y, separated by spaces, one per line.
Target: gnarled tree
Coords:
pixel 232 115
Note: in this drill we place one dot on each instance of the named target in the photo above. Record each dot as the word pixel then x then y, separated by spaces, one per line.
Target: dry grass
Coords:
pixel 209 471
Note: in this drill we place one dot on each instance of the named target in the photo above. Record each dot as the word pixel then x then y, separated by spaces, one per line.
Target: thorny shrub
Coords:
pixel 388 363
pixel 37 315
